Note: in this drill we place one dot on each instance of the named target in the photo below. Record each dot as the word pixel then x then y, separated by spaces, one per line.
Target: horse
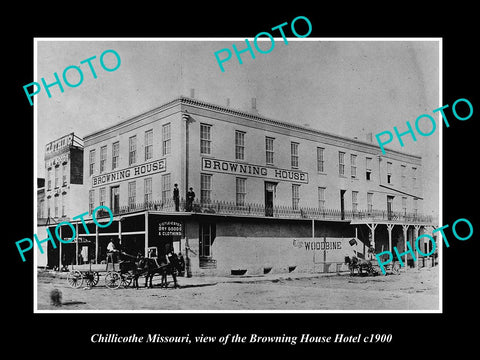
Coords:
pixel 131 266
pixel 151 267
pixel 360 264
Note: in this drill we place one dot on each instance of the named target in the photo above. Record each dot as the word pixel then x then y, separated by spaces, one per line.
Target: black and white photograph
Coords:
pixel 212 182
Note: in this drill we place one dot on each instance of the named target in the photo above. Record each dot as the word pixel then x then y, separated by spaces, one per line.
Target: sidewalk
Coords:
pixel 201 280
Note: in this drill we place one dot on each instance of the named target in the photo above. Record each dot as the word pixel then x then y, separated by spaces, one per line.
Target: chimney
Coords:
pixel 192 93
pixel 228 102
pixel 254 106
pixel 369 137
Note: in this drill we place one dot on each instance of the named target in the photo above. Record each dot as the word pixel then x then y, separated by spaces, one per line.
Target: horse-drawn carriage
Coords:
pixel 361 265
pixel 366 267
pixel 130 269
pixel 75 278
pixel 133 267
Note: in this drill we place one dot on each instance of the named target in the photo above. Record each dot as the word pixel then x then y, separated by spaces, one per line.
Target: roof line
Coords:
pixel 241 113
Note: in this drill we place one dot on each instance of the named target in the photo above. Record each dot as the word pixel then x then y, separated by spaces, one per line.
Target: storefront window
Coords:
pixel 207 237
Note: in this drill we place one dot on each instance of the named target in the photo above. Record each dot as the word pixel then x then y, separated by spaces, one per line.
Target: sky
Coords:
pixel 343 87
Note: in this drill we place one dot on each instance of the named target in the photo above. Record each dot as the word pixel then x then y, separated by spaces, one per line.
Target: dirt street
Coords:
pixel 411 290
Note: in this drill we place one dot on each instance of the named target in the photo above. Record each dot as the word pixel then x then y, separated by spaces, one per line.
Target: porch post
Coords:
pixel 146 232
pixel 60 251
pixel 188 265
pixel 372 229
pixel 96 244
pixel 76 243
pixel 120 229
pixel 416 227
pixel 405 230
pixel 390 228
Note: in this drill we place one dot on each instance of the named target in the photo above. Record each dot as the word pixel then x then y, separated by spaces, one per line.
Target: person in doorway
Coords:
pixel 176 197
pixel 111 252
pixel 190 199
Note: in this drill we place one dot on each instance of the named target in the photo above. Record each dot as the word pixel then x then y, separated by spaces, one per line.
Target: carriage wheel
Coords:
pixel 96 278
pixel 126 280
pixel 92 278
pixel 396 268
pixel 75 279
pixel 112 280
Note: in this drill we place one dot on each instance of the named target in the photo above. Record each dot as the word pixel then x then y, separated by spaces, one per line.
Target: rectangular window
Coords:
pixel 294 154
pixel 414 177
pixel 166 187
pixel 64 174
pixel 205 188
pixel 91 162
pixel 341 163
pixel 55 204
pixel 103 196
pixel 241 191
pixel 147 182
pixel 57 169
pixel 239 145
pixel 403 170
pixel 166 139
pixel 269 150
pixel 115 154
pixel 148 144
pixel 63 205
pixel 40 209
pixel 369 201
pixel 320 160
pixel 389 172
pixel 368 168
pixel 353 165
pixel 103 159
pixel 404 204
pixel 321 198
pixel 205 138
pixel 206 239
pixel 132 194
pixel 91 201
pixel 49 179
pixel 295 196
pixel 132 150
pixel 415 206
pixel 354 200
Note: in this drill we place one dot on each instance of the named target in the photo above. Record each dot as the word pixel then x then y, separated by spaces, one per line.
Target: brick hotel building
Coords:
pixel 271 196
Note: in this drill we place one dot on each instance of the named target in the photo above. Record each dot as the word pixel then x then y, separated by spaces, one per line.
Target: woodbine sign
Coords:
pixel 235 168
pixel 157 166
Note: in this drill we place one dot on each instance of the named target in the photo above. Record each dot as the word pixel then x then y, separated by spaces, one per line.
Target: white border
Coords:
pixel 440 248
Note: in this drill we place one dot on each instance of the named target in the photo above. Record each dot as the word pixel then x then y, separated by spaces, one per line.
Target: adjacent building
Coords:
pixel 62 195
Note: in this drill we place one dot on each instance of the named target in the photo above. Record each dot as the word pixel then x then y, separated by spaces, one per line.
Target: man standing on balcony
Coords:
pixel 176 197
pixel 190 199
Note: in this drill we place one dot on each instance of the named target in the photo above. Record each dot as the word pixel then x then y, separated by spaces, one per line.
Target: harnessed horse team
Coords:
pixel 148 267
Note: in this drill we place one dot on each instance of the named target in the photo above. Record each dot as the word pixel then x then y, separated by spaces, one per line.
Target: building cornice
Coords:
pixel 182 100
pixel 362 145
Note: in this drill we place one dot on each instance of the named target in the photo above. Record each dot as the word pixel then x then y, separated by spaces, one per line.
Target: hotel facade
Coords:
pixel 270 196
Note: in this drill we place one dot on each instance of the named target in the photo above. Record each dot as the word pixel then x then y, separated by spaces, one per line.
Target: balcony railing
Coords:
pixel 260 210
